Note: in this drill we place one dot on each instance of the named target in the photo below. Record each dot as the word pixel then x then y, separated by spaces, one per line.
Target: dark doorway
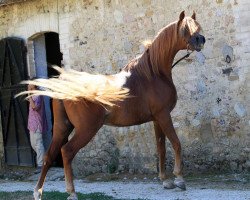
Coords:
pixel 53 57
pixel 53 54
pixel 46 54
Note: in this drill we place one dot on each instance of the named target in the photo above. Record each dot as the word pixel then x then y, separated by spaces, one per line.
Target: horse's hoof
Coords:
pixel 168 184
pixel 73 196
pixel 37 195
pixel 180 183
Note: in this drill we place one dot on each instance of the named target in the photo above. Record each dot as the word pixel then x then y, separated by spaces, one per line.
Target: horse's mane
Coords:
pixel 156 53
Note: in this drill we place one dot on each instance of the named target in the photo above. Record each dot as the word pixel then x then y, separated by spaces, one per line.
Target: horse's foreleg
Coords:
pixel 161 149
pixel 61 130
pixel 166 124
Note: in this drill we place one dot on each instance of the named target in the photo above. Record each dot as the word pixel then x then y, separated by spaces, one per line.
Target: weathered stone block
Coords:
pixel 227 52
pixel 240 109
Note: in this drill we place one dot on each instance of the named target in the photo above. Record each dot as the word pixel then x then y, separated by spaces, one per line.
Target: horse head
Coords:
pixel 189 33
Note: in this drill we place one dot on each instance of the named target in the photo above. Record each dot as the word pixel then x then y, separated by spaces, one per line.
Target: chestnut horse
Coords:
pixel 147 93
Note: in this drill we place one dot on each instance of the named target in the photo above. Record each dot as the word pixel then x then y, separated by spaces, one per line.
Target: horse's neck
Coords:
pixel 158 58
pixel 167 45
pixel 166 68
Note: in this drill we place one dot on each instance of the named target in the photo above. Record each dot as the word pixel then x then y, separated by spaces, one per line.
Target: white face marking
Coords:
pixel 121 78
pixel 192 26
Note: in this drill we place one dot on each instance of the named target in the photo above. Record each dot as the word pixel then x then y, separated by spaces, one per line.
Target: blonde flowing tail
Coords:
pixel 75 86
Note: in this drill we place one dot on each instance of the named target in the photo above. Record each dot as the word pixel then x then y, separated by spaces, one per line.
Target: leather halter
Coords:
pixel 186 56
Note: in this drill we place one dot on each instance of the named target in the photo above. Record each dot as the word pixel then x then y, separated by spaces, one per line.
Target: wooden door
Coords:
pixel 14 111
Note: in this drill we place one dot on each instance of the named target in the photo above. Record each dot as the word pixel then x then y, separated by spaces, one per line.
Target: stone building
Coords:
pixel 212 116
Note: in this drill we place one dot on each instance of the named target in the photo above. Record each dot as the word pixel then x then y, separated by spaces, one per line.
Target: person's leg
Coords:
pixel 39 148
pixel 33 141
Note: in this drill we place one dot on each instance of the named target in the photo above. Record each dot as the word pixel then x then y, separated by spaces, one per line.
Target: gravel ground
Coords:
pixel 136 190
pixel 135 186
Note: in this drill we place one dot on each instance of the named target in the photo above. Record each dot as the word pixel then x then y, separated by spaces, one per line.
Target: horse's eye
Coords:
pixel 185 32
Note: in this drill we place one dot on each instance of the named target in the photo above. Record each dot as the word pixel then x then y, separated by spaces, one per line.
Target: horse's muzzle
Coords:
pixel 196 42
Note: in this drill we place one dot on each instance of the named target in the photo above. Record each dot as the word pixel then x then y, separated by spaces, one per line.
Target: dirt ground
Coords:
pixel 228 186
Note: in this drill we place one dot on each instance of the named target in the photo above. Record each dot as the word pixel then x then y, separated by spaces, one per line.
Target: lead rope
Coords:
pixel 186 56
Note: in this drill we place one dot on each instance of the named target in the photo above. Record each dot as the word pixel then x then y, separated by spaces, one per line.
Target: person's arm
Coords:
pixel 35 103
pixel 32 103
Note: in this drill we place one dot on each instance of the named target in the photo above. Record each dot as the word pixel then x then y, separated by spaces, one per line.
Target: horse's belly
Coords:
pixel 122 123
pixel 128 116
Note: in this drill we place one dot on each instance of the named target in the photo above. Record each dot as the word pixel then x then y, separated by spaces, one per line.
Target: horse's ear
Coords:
pixel 182 15
pixel 194 16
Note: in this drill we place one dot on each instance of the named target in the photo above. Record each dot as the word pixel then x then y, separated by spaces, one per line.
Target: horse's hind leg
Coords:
pixel 161 148
pixel 69 151
pixel 87 120
pixel 61 130
pixel 166 124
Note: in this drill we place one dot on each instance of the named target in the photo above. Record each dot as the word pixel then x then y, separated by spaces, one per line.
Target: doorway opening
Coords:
pixel 46 53
pixel 53 53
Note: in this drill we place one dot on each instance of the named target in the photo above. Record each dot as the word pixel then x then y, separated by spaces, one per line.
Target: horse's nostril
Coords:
pixel 197 39
pixel 204 40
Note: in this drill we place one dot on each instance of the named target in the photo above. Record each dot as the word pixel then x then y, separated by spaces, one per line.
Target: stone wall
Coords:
pixel 7 2
pixel 212 114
